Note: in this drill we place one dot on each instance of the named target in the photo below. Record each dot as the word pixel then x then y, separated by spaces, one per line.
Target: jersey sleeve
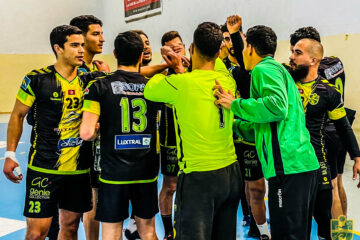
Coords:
pixel 87 77
pixel 161 88
pixel 92 97
pixel 336 108
pixel 26 94
pixel 271 106
pixel 244 130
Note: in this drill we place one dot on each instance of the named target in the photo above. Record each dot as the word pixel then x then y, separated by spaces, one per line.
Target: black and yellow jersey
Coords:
pixel 321 101
pixel 128 126
pixel 56 112
pixel 86 68
pixel 167 130
pixel 88 148
pixel 242 79
pixel 332 69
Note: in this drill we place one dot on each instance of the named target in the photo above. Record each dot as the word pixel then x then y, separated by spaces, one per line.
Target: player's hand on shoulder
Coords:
pixel 223 98
pixel 102 66
pixel 9 168
pixel 234 23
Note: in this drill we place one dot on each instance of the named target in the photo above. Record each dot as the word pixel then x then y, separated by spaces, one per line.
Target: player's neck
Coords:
pixel 128 68
pixel 202 64
pixel 233 59
pixel 88 58
pixel 312 75
pixel 65 70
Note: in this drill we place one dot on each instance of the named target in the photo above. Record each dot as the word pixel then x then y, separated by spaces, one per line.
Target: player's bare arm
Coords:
pixel 89 127
pixel 14 132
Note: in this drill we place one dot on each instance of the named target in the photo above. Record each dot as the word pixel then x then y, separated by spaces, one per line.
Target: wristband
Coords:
pixel 12 156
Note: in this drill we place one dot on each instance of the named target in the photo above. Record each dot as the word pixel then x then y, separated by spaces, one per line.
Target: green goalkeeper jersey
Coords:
pixel 274 118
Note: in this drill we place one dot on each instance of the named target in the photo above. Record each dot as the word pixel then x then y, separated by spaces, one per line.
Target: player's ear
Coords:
pixel 252 50
pixel 314 61
pixel 141 57
pixel 114 54
pixel 191 49
pixel 58 49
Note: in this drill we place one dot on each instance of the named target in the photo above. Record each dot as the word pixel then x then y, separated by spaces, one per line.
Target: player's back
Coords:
pixel 205 131
pixel 127 127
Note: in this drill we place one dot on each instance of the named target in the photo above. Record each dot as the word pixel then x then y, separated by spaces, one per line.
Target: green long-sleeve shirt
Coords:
pixel 204 133
pixel 275 120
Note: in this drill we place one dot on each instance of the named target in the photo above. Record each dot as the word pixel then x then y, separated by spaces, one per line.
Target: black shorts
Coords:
pixel 87 151
pixel 336 152
pixel 46 193
pixel 291 205
pixel 206 204
pixel 113 201
pixel 249 161
pixel 169 161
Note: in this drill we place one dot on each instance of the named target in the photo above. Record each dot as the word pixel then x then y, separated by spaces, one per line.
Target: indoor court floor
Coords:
pixel 12 222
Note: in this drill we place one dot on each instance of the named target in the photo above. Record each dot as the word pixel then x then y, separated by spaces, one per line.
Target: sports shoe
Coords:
pixel 264 237
pixel 131 235
pixel 246 221
pixel 253 231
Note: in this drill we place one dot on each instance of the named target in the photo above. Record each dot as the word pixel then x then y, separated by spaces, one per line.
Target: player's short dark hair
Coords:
pixel 128 48
pixel 207 39
pixel 304 32
pixel 168 36
pixel 140 32
pixel 60 33
pixel 263 39
pixel 225 29
pixel 84 21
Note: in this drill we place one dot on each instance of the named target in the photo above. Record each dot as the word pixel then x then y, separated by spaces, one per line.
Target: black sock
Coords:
pixel 167 222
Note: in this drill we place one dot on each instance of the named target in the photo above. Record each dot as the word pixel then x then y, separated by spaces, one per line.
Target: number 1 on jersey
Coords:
pixel 222 118
pixel 125 116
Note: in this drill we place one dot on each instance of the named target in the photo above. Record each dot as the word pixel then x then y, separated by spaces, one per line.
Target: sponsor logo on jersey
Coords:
pixel 124 88
pixel 72 117
pixel 140 141
pixel 71 92
pixel 25 83
pixel 334 70
pixel 342 228
pixel 69 142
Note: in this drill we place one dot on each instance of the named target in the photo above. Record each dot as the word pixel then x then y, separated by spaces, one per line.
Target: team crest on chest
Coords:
pixel 314 99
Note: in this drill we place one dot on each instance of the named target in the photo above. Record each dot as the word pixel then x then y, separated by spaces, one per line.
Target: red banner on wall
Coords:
pixel 137 9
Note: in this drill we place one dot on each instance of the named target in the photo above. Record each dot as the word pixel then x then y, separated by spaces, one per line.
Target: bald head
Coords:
pixel 311 47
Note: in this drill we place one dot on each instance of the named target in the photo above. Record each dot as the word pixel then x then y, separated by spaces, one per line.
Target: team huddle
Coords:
pixel 216 123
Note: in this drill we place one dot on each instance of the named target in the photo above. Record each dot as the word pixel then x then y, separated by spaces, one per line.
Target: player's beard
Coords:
pixel 146 61
pixel 300 72
pixel 231 52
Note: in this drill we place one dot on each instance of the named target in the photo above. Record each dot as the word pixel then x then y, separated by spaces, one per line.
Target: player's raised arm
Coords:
pixel 161 88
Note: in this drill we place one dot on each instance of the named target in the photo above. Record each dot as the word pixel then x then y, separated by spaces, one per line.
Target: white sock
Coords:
pixel 264 230
pixel 132 225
